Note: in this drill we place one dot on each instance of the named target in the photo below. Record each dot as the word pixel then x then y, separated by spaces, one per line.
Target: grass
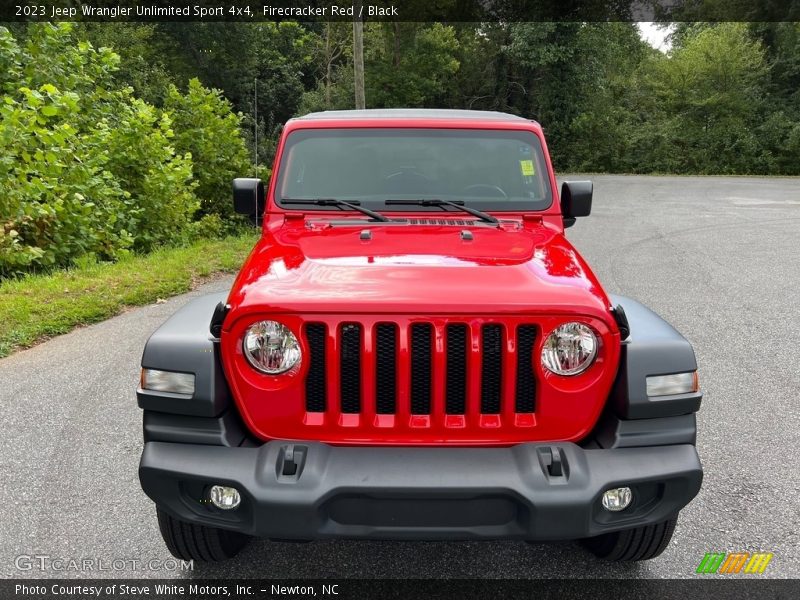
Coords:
pixel 38 307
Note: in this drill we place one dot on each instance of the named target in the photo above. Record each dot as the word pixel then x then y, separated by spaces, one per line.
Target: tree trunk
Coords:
pixel 358 56
pixel 396 53
pixel 328 68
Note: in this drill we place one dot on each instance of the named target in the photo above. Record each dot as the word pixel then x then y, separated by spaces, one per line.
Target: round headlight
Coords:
pixel 569 349
pixel 270 347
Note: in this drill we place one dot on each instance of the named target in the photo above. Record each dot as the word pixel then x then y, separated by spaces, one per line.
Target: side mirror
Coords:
pixel 576 201
pixel 249 198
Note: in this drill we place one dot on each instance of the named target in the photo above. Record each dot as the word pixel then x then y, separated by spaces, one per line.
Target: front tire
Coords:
pixel 640 543
pixel 188 541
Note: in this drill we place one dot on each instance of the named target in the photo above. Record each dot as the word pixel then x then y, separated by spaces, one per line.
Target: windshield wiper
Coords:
pixel 354 205
pixel 459 204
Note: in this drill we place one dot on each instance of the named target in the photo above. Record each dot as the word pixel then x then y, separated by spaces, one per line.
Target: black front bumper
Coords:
pixel 420 493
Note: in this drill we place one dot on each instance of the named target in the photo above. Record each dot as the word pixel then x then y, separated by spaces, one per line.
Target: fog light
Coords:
pixel 617 499
pixel 224 497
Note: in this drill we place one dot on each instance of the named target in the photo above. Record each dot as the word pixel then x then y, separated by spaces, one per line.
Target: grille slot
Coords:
pixel 458 222
pixel 421 359
pixel 525 401
pixel 350 368
pixel 456 383
pixel 386 368
pixel 315 379
pixel 491 369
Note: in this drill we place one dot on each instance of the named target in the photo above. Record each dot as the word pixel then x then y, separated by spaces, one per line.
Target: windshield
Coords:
pixel 486 169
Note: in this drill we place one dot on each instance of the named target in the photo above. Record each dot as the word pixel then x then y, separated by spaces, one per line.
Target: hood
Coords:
pixel 416 269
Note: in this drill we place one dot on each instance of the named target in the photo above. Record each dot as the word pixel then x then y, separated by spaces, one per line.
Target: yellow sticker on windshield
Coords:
pixel 526 166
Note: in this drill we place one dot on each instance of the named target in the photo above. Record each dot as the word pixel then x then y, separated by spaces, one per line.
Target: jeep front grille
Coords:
pixel 442 368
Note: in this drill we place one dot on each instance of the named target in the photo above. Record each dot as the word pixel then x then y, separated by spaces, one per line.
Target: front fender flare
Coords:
pixel 654 347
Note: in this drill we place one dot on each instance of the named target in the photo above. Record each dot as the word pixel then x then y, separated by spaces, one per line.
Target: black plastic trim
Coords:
pixel 576 199
pixel 420 493
pixel 249 198
pixel 653 347
pixel 220 312
pixel 184 344
pixel 622 321
pixel 225 430
pixel 613 432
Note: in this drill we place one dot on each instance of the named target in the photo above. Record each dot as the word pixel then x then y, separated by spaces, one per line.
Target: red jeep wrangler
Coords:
pixel 413 350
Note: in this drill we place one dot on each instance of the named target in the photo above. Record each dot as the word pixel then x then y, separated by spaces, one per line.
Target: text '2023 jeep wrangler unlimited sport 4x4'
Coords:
pixel 413 350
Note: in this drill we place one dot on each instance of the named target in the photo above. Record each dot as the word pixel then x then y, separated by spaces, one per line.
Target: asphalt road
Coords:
pixel 717 257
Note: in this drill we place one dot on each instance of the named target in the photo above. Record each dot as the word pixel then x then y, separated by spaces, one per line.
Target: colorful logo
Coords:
pixel 734 562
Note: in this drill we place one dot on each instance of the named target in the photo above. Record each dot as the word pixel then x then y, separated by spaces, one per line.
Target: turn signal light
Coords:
pixel 670 385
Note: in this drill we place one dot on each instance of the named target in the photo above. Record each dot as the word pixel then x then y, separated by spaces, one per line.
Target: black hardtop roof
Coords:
pixel 412 113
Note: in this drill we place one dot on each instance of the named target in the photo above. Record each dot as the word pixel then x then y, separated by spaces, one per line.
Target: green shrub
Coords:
pixel 206 128
pixel 207 227
pixel 146 166
pixel 85 167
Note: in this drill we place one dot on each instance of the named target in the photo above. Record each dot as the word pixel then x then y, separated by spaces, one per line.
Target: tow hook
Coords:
pixel 553 462
pixel 290 461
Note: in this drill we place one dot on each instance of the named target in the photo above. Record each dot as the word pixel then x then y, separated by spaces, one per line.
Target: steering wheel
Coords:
pixel 408 181
pixel 484 186
pixel 407 172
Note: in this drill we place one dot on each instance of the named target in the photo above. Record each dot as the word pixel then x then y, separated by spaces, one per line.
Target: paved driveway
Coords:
pixel 717 257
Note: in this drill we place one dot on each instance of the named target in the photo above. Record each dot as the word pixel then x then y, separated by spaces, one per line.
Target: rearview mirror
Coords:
pixel 249 198
pixel 576 200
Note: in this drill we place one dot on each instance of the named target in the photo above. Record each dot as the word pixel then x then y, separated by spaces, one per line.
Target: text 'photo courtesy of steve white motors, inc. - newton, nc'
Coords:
pixel 234 10
pixel 166 589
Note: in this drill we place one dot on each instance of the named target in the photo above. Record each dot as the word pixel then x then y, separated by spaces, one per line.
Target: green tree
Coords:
pixel 332 52
pixel 780 130
pixel 709 93
pixel 144 55
pixel 606 57
pixel 541 80
pixel 232 56
pixel 480 80
pixel 409 64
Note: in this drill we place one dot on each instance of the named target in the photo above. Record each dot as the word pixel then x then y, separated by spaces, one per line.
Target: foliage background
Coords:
pixel 120 137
